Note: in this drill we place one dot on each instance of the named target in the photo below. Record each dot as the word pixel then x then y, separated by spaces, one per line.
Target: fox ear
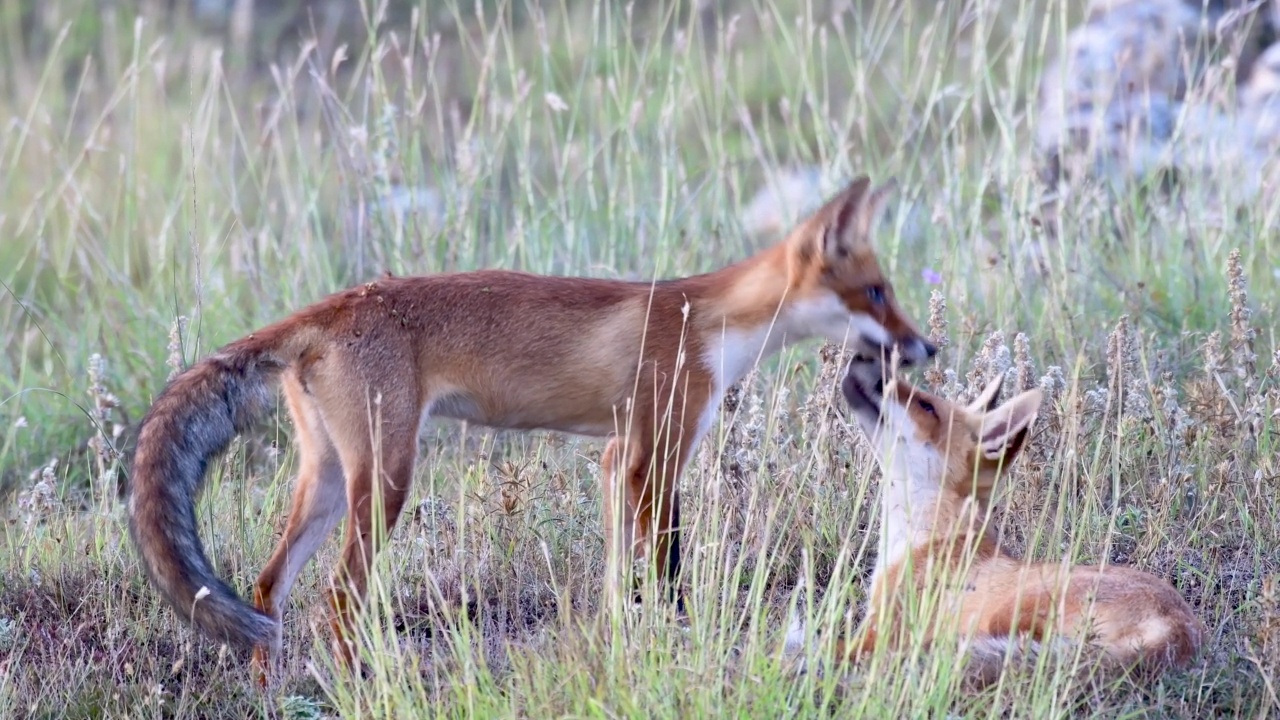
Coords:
pixel 987 399
pixel 851 215
pixel 1005 429
pixel 873 203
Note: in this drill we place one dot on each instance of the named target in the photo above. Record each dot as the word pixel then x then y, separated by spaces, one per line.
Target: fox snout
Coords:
pixel 916 349
pixel 863 387
pixel 911 349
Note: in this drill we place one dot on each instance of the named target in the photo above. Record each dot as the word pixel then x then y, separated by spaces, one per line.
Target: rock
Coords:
pixel 1106 107
pixel 1138 94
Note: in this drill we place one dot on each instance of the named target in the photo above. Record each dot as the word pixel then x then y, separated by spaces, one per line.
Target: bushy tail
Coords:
pixel 192 421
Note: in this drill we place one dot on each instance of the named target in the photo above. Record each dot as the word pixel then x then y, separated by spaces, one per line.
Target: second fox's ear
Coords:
pixel 987 399
pixel 1005 429
pixel 850 216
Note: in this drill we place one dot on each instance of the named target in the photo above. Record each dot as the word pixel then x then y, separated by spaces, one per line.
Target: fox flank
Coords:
pixel 940 463
pixel 644 364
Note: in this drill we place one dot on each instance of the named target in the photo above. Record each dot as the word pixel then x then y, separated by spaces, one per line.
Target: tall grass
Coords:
pixel 147 175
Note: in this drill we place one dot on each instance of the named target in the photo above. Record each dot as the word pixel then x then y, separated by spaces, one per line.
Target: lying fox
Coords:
pixel 940 463
pixel 644 363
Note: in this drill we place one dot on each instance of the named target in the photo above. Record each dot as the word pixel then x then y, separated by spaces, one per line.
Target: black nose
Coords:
pixel 930 349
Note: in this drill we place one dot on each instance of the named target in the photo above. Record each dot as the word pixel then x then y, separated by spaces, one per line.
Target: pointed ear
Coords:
pixel 872 206
pixel 850 216
pixel 987 399
pixel 1004 430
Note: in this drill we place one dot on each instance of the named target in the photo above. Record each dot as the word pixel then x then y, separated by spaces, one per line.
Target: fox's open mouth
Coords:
pixel 869 351
pixel 863 385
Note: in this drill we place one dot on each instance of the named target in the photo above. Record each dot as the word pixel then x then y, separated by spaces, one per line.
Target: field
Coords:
pixel 168 184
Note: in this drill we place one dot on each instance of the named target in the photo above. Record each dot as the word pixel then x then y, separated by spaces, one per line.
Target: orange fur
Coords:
pixel 643 363
pixel 940 463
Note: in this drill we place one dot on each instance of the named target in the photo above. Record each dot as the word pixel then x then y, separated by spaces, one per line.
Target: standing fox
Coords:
pixel 645 363
pixel 940 463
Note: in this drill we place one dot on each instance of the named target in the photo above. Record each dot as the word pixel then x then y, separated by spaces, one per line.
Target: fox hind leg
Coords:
pixel 378 459
pixel 319 501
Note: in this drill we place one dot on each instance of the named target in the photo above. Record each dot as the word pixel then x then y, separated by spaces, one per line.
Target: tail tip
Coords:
pixel 794 642
pixel 222 616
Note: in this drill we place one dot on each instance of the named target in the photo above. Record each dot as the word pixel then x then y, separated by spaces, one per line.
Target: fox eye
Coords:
pixel 875 294
pixel 927 406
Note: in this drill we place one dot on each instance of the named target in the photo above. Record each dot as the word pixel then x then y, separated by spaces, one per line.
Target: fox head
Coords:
pixel 930 441
pixel 843 294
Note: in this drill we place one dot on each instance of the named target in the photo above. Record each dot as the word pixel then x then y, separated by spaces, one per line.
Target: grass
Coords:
pixel 145 176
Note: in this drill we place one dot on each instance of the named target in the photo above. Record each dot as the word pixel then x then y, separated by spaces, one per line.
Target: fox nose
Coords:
pixel 917 350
